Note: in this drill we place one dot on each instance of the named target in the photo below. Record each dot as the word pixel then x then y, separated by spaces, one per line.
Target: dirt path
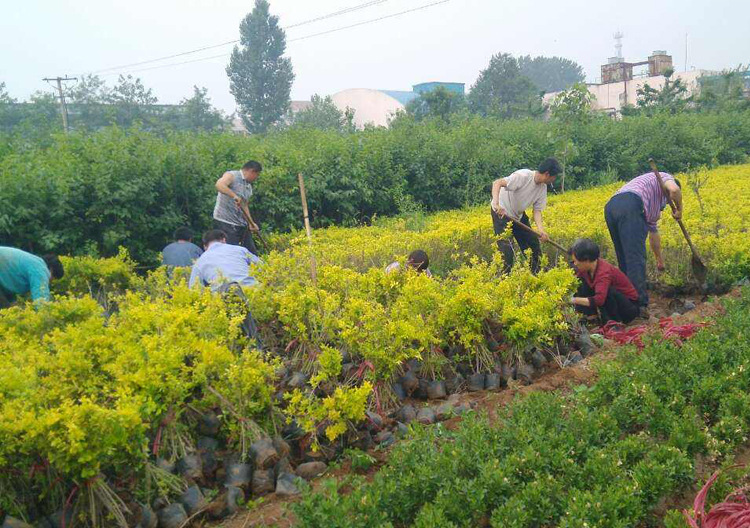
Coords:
pixel 273 511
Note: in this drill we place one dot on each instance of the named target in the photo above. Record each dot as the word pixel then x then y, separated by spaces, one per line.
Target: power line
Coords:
pixel 223 55
pixel 214 46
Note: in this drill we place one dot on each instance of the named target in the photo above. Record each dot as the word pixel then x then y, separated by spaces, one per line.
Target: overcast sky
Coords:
pixel 452 41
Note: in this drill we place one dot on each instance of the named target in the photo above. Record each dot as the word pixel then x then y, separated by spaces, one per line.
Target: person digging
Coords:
pixel 511 196
pixel 632 214
pixel 604 290
pixel 22 273
pixel 231 213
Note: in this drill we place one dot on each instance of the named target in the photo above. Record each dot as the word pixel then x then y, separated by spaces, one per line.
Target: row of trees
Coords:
pixel 92 192
pixel 261 79
pixel 92 104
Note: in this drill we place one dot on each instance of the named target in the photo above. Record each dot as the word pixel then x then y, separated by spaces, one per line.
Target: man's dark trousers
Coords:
pixel 525 241
pixel 616 307
pixel 626 222
pixel 237 235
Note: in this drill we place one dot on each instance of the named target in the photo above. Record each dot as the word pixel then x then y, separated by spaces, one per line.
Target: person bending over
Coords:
pixel 182 252
pixel 631 215
pixel 22 272
pixel 604 289
pixel 222 263
pixel 511 197
pixel 417 260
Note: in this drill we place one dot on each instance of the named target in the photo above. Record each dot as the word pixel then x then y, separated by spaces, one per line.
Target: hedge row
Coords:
pixel 93 193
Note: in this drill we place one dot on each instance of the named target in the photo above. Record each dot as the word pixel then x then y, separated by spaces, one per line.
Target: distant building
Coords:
pixel 376 107
pixel 619 86
pixel 371 107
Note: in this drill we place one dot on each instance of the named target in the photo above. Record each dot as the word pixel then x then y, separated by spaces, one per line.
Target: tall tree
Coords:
pixel 570 110
pixel 88 100
pixel 260 77
pixel 325 115
pixel 551 74
pixel 438 102
pixel 132 101
pixel 502 91
pixel 671 98
pixel 198 113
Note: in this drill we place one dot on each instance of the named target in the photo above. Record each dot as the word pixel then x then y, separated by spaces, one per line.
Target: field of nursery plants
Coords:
pixel 132 400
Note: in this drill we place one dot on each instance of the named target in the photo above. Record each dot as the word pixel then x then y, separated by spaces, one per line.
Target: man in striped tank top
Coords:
pixel 231 213
pixel 631 215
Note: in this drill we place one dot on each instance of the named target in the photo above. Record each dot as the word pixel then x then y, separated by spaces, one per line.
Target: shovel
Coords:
pixel 699 269
pixel 535 233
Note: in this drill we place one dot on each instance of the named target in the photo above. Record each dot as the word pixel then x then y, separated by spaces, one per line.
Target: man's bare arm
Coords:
pixel 654 240
pixel 675 194
pixel 222 185
pixel 540 225
pixel 496 186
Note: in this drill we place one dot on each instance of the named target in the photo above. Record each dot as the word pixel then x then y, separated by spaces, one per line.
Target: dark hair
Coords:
pixel 54 265
pixel 419 260
pixel 253 166
pixel 183 233
pixel 585 249
pixel 550 165
pixel 678 183
pixel 213 236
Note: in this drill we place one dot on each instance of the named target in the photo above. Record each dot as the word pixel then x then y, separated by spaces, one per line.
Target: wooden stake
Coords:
pixel 308 230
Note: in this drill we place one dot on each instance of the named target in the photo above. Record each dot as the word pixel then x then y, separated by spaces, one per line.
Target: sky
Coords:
pixel 451 41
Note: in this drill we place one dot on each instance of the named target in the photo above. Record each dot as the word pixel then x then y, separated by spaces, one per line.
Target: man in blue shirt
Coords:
pixel 222 263
pixel 182 252
pixel 22 272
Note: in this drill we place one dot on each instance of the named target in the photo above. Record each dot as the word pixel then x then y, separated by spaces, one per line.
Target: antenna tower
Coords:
pixel 618 44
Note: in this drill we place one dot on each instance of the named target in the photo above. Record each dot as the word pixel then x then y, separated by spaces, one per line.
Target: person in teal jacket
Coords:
pixel 22 272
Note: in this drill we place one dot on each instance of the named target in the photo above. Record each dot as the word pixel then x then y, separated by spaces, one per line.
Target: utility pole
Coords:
pixel 63 106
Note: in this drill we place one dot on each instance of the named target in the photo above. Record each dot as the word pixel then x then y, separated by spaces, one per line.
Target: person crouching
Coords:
pixel 604 290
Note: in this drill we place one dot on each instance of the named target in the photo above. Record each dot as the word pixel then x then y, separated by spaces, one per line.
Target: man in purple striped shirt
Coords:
pixel 631 215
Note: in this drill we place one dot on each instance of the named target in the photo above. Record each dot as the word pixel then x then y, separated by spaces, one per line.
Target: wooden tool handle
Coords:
pixel 527 228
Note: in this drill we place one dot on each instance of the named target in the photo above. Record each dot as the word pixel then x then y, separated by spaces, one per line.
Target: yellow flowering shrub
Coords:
pixel 93 275
pixel 335 413
pixel 87 395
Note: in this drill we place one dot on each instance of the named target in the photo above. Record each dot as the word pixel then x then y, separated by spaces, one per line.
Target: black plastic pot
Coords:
pixel 193 500
pixel 492 381
pixel 538 360
pixel 436 390
pixel 506 373
pixel 190 467
pixel 209 424
pixel 399 391
pixel 406 414
pixel 409 382
pixel 476 382
pixel 172 516
pixel 239 475
pixel 421 392
pixel 148 518
pixel 286 485
pixel 455 383
pixel 264 482
pixel 264 454
pixel 524 372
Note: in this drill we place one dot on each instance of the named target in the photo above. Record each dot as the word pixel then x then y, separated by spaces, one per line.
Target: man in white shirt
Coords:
pixel 222 263
pixel 511 196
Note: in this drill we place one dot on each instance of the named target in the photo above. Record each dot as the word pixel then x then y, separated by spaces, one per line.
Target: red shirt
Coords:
pixel 607 275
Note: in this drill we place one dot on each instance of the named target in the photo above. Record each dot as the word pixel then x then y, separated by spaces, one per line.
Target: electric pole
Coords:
pixel 63 106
